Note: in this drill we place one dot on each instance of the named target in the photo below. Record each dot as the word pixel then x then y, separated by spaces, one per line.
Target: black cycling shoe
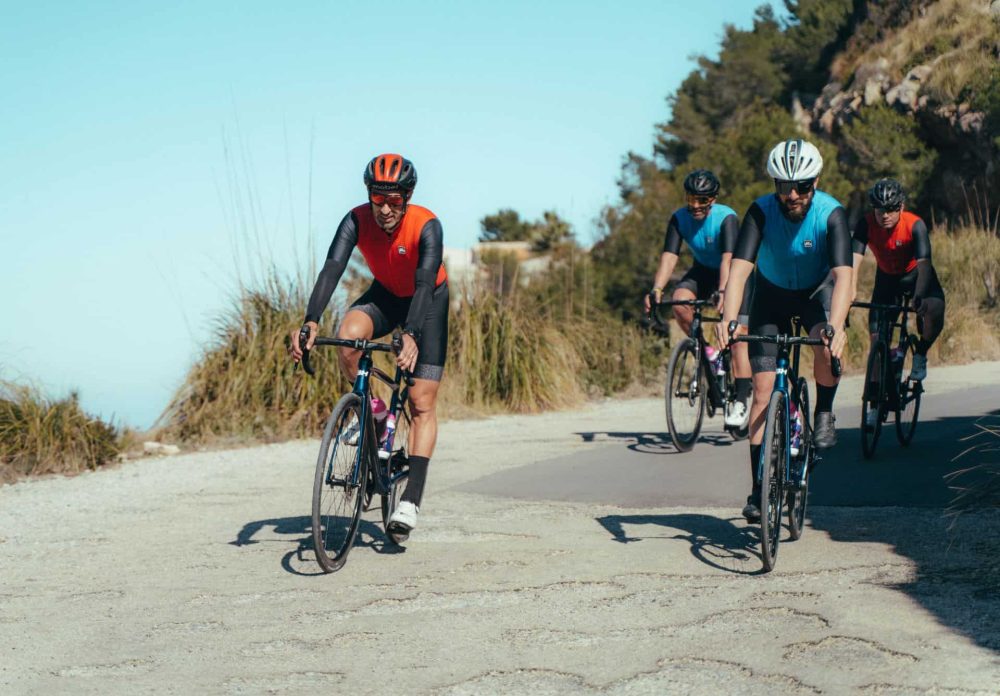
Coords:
pixel 825 434
pixel 751 512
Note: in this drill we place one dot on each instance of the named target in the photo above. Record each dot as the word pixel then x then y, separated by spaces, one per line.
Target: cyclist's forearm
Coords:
pixel 326 283
pixel 840 303
pixel 739 272
pixel 854 274
pixel 923 278
pixel 724 269
pixel 665 269
pixel 422 299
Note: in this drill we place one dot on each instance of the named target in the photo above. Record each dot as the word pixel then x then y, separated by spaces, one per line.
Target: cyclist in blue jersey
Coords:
pixel 710 230
pixel 800 241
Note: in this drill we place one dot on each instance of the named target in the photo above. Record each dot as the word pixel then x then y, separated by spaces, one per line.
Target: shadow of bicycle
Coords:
pixel 654 443
pixel 716 542
pixel 302 559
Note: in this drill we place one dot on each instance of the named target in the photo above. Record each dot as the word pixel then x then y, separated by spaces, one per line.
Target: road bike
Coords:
pixel 888 387
pixel 693 386
pixel 353 464
pixel 784 477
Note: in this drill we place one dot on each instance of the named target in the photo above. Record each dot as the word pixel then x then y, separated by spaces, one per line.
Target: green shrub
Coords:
pixel 41 436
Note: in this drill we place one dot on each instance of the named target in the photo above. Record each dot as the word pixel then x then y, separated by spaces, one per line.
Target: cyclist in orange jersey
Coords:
pixel 402 244
pixel 901 244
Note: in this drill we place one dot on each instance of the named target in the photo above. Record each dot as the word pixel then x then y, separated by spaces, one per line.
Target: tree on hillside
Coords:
pixel 815 31
pixel 506 225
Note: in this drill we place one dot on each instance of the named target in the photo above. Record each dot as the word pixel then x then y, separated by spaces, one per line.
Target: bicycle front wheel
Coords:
pixel 773 455
pixel 398 468
pixel 908 403
pixel 799 492
pixel 339 485
pixel 685 395
pixel 873 400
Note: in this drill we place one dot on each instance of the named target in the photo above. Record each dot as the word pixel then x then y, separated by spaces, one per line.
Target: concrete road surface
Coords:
pixel 563 553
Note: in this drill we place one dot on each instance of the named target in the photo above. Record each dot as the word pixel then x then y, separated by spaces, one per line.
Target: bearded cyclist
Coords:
pixel 902 248
pixel 710 229
pixel 403 245
pixel 798 236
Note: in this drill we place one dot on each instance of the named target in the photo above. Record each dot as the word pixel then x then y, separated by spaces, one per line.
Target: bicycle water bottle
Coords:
pixel 385 448
pixel 379 412
pixel 795 441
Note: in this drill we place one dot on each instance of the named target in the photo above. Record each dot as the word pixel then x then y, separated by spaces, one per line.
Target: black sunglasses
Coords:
pixel 887 209
pixel 801 187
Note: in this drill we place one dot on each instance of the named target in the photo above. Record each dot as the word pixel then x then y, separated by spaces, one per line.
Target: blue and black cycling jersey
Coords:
pixel 709 239
pixel 795 255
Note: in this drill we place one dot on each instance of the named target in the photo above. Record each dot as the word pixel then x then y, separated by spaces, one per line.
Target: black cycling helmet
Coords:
pixel 390 172
pixel 887 194
pixel 701 182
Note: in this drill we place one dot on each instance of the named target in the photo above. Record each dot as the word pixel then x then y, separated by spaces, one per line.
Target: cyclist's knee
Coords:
pixel 423 399
pixel 356 324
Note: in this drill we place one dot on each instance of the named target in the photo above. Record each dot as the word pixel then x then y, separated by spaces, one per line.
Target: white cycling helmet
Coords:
pixel 794 160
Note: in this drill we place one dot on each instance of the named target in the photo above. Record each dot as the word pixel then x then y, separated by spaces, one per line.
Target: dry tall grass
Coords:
pixel 41 436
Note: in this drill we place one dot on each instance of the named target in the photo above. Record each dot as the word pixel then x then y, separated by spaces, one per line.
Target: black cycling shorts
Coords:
pixel 387 311
pixel 893 289
pixel 771 313
pixel 703 281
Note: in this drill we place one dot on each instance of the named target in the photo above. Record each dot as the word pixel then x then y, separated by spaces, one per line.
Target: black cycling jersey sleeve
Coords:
pixel 429 259
pixel 838 239
pixel 921 240
pixel 672 240
pixel 748 243
pixel 337 258
pixel 859 240
pixel 730 232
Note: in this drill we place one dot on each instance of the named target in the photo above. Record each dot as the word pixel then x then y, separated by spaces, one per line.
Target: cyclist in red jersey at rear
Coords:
pixel 403 245
pixel 902 248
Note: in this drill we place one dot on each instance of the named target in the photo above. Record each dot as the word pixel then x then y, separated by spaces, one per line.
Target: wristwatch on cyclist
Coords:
pixel 413 333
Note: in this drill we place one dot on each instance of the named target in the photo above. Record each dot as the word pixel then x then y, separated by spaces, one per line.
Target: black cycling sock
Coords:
pixel 414 492
pixel 923 346
pixel 743 388
pixel 754 459
pixel 824 398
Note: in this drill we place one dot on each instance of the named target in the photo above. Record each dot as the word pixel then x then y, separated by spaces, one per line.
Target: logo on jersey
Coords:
pixel 808 244
pixel 401 250
pixel 899 243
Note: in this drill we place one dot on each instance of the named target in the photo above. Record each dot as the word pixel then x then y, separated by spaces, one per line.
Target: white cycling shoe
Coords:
pixel 918 373
pixel 737 415
pixel 871 418
pixel 404 519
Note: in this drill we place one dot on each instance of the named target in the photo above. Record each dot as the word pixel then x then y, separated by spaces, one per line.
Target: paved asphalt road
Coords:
pixel 642 469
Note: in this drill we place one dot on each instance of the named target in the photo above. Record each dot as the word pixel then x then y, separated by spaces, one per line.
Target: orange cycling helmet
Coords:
pixel 390 172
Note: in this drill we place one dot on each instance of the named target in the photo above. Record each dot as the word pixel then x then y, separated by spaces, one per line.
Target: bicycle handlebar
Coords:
pixel 882 307
pixel 786 340
pixel 361 344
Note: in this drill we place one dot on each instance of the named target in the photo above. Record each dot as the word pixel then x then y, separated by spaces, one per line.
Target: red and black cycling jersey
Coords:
pixel 897 250
pixel 407 261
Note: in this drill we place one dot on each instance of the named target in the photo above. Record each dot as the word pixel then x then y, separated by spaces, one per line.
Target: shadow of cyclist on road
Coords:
pixel 370 535
pixel 715 542
pixel 653 443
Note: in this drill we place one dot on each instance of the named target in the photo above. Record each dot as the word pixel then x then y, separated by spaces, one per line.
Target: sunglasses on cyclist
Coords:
pixel 700 201
pixel 393 199
pixel 889 211
pixel 800 187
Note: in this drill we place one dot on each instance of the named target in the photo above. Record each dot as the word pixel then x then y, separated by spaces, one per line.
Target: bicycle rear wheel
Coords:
pixel 798 494
pixel 773 455
pixel 685 395
pixel 873 399
pixel 398 465
pixel 908 403
pixel 339 485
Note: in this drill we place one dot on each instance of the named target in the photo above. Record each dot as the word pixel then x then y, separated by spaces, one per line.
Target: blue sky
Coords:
pixel 143 143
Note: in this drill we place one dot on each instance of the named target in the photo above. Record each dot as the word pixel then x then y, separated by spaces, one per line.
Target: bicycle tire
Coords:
pixel 798 498
pixel 773 453
pixel 874 393
pixel 398 461
pixel 684 373
pixel 337 503
pixel 908 401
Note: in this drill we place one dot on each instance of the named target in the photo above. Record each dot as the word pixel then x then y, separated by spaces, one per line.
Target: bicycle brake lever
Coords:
pixel 303 342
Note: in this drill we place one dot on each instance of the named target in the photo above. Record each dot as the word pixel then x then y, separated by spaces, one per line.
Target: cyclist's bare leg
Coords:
pixel 684 315
pixel 822 371
pixel 355 324
pixel 741 356
pixel 423 412
pixel 763 385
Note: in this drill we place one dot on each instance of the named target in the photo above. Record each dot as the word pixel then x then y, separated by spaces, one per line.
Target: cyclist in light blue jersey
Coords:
pixel 799 238
pixel 710 230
